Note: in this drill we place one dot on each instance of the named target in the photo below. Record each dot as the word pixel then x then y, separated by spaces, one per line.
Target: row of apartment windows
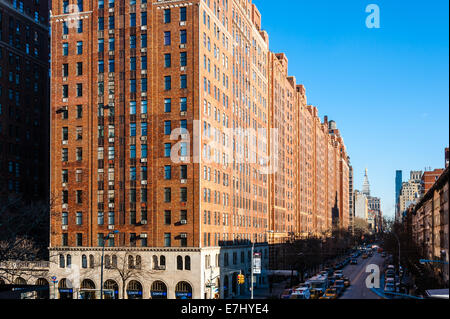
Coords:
pixel 133 238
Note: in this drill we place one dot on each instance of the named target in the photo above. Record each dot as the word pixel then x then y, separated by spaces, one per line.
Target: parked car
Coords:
pixel 389 287
pixel 364 256
pixel 331 280
pixel 301 293
pixel 354 261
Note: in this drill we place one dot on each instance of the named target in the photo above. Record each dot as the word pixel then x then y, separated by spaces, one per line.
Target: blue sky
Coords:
pixel 386 88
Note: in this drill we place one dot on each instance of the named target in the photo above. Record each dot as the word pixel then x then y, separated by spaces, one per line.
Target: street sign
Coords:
pixel 257 263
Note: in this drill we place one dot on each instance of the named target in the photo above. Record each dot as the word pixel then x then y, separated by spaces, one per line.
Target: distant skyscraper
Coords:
pixel 366 185
pixel 398 188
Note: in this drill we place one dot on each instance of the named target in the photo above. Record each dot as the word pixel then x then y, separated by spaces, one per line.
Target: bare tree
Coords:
pixel 23 236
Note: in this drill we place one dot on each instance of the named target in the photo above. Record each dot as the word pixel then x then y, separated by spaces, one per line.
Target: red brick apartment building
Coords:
pixel 24 101
pixel 186 208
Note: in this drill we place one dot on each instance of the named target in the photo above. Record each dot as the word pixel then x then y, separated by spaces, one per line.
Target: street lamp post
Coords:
pixel 101 266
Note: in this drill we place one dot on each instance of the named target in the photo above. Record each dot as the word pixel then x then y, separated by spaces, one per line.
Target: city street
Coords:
pixel 357 275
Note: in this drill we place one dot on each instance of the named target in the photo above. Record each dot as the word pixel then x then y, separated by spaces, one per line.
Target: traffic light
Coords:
pixel 241 279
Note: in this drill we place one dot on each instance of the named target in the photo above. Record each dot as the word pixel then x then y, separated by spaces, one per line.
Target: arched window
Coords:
pixel 138 262
pixel 187 262
pixel 158 290
pixel 179 263
pixel 130 262
pixel 84 261
pixel 183 290
pixel 134 290
pixel 42 293
pixel 68 260
pixel 91 261
pixel 162 261
pixel 155 262
pixel 62 262
pixel 114 261
pixel 107 262
pixel 20 281
pixel 111 289
pixel 87 289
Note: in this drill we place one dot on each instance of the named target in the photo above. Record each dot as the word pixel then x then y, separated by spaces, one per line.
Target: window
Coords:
pixel 132 19
pixel 65 154
pixel 143 150
pixel 167 149
pixel 144 84
pixel 111 65
pixel 183 58
pixel 144 129
pixel 144 62
pixel 187 260
pixel 183 194
pixel 167 38
pixel 166 16
pixel 79 111
pixel 167 127
pixel 133 63
pixel 167 195
pixel 167 83
pixel 65 48
pixel 167 172
pixel 133 85
pixel 111 22
pixel 65 28
pixel 132 107
pixel 183 14
pixel 179 263
pixel 101 24
pixel 144 18
pixel 183 124
pixel 80 47
pixel 101 68
pixel 183 81
pixel 79 89
pixel 143 107
pixel 79 68
pixel 80 26
pixel 183 36
pixel 183 104
pixel 79 218
pixel 183 172
pixel 111 44
pixel 133 41
pixel 132 151
pixel 84 261
pixel 167 60
pixel 65 218
pixel 143 40
pixel 167 241
pixel 167 217
pixel 167 105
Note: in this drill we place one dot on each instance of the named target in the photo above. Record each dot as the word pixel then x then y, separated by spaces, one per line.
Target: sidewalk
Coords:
pixel 264 293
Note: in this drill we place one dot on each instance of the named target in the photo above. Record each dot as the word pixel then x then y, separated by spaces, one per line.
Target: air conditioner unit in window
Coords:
pixel 144 236
pixel 65 79
pixel 111 139
pixel 111 10
pixel 183 181
pixel 143 94
pixel 183 113
pixel 184 235
pixel 143 222
pixel 110 227
pixel 111 53
pixel 143 71
pixel 64 184
pixel 111 205
pixel 143 50
pixel 64 36
pixel 65 142
pixel 183 46
pixel 182 23
pixel 162 267
pixel 183 222
pixel 143 27
pixel 143 182
pixel 144 116
pixel 143 160
pixel 111 31
pixel 111 183
pixel 64 227
pixel 65 99
pixel 143 6
pixel 183 159
pixel 65 206
pixel 143 138
pixel 183 68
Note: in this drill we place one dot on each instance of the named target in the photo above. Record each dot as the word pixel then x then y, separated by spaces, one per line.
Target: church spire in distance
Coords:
pixel 366 185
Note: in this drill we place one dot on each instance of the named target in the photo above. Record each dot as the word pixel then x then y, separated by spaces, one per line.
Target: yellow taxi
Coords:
pixel 364 256
pixel 315 294
pixel 330 293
